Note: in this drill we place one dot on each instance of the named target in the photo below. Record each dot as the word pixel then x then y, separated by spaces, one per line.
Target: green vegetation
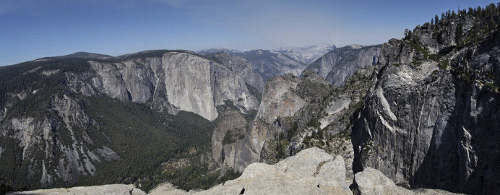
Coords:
pixel 435 57
pixel 346 135
pixel 490 21
pixel 5 188
pixel 254 91
pixel 444 64
pixel 451 27
pixel 11 162
pixel 228 105
pixel 26 77
pixel 281 147
pixel 148 54
pixel 366 149
pixel 458 33
pixel 492 86
pixel 193 176
pixel 314 123
pixel 228 138
pixel 144 139
pixel 416 46
pixel 292 131
pixel 311 88
pixel 435 33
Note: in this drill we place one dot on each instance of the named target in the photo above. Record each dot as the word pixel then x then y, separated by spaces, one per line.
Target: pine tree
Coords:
pixel 458 33
pixel 436 19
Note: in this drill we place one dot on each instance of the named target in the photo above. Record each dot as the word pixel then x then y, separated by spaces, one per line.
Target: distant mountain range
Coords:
pixel 271 63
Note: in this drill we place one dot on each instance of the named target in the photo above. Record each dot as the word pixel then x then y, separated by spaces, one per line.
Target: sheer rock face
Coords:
pixel 337 65
pixel 176 81
pixel 39 141
pixel 226 139
pixel 280 99
pixel 434 122
pixel 241 67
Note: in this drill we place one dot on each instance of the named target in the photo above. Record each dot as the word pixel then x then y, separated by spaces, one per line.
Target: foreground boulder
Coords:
pixel 112 189
pixel 371 181
pixel 311 171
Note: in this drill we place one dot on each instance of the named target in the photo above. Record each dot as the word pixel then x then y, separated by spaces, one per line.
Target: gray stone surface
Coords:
pixel 373 182
pixel 280 99
pixel 231 127
pixel 311 171
pixel 433 123
pixel 241 67
pixel 112 189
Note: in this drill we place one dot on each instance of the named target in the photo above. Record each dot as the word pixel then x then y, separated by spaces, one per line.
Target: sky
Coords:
pixel 31 29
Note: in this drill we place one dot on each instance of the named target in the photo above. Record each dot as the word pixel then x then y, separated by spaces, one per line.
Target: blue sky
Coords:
pixel 31 29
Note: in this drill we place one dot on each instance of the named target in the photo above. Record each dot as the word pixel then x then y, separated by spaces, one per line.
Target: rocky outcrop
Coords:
pixel 112 189
pixel 337 65
pixel 311 171
pixel 371 182
pixel 431 117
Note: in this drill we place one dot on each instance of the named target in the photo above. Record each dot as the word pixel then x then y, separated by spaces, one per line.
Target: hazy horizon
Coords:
pixel 36 29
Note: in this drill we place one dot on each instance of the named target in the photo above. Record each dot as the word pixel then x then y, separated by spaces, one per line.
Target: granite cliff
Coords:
pixel 422 109
pixel 64 117
pixel 431 117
